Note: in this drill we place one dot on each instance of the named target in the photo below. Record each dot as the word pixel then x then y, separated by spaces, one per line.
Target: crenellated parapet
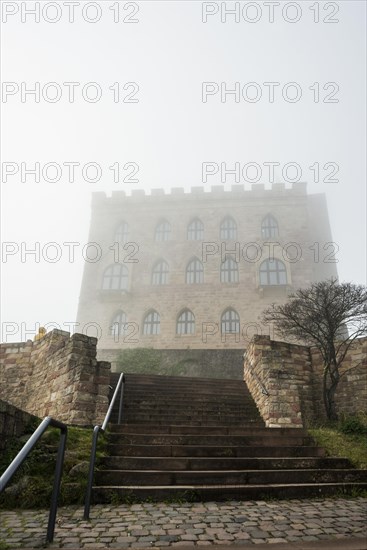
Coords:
pixel 257 190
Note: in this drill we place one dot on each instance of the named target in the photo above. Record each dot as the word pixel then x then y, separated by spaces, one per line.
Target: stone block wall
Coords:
pixel 13 422
pixel 286 381
pixel 56 376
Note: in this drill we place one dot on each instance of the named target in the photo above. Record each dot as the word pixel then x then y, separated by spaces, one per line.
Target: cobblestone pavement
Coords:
pixel 159 525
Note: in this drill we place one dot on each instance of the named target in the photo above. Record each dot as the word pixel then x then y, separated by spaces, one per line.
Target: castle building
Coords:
pixel 195 270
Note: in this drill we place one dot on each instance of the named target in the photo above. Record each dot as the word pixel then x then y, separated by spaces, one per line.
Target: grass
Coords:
pixel 346 438
pixel 36 475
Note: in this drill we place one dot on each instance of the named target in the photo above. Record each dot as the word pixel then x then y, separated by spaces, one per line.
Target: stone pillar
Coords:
pixel 273 383
pixel 58 376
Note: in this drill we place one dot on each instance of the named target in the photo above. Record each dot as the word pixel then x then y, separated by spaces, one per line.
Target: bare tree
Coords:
pixel 328 315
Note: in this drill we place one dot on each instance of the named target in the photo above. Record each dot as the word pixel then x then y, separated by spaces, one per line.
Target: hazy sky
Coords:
pixel 127 89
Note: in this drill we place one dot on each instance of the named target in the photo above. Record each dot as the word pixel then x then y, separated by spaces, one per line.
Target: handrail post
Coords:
pixel 56 487
pixel 121 400
pixel 96 430
pixel 88 493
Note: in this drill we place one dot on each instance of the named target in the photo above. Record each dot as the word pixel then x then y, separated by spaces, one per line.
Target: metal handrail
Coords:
pixel 22 455
pixel 96 431
pixel 264 391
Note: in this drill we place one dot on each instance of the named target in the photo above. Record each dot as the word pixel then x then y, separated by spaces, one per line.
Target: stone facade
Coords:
pixel 56 376
pixel 125 230
pixel 286 381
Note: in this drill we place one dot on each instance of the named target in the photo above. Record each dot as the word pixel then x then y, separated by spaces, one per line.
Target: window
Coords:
pixel 195 230
pixel 115 277
pixel 194 272
pixel 160 273
pixel 229 271
pixel 186 323
pixel 230 322
pixel 152 323
pixel 228 229
pixel 269 227
pixel 273 272
pixel 163 231
pixel 118 327
pixel 122 233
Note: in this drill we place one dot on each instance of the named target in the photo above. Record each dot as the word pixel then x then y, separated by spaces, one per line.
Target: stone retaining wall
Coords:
pixel 56 376
pixel 14 422
pixel 286 381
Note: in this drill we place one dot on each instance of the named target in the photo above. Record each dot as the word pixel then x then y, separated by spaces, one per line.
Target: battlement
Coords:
pixel 216 191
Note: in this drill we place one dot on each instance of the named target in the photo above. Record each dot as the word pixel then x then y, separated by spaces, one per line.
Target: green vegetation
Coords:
pixel 31 487
pixel 149 361
pixel 140 360
pixel 153 361
pixel 345 438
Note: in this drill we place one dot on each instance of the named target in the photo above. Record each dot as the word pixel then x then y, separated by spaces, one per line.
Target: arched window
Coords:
pixel 230 322
pixel 115 277
pixel 152 323
pixel 163 231
pixel 228 229
pixel 194 272
pixel 269 227
pixel 185 322
pixel 160 273
pixel 273 272
pixel 195 230
pixel 117 327
pixel 229 271
pixel 122 233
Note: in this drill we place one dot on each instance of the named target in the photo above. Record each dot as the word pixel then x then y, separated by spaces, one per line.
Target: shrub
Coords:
pixel 352 425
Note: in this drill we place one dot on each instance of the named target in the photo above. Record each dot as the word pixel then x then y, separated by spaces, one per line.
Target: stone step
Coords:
pixel 193 388
pixel 202 439
pixel 167 392
pixel 214 439
pixel 228 477
pixel 128 416
pixel 192 493
pixel 195 423
pixel 187 399
pixel 183 394
pixel 205 430
pixel 207 393
pixel 221 463
pixel 187 407
pixel 182 382
pixel 161 380
pixel 162 408
pixel 187 419
pixel 214 451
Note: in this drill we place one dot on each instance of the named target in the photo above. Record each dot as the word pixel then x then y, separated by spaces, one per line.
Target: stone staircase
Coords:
pixel 203 439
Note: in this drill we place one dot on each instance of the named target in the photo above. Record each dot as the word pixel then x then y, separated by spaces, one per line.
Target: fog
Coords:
pixel 156 89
